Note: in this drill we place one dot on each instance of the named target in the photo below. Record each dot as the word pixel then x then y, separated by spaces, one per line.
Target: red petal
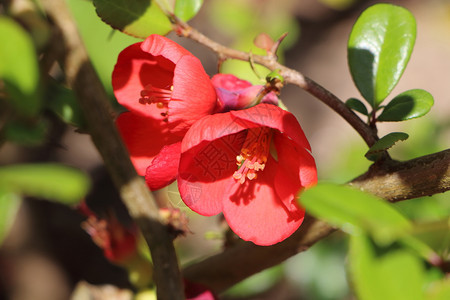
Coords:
pixel 229 82
pixel 159 45
pixel 261 210
pixel 274 117
pixel 211 128
pixel 205 173
pixel 144 138
pixel 133 71
pixel 234 93
pixel 256 213
pixel 296 169
pixel 195 291
pixel 164 167
pixel 193 96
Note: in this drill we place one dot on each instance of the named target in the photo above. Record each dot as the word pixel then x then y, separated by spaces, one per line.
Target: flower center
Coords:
pixel 159 96
pixel 254 153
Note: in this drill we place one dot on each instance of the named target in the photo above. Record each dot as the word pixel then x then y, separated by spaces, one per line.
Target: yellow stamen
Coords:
pixel 254 152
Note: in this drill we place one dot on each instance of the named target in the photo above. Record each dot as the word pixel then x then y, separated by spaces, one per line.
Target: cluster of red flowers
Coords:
pixel 229 154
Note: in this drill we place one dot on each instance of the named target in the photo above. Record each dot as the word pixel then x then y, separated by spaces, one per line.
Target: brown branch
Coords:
pixel 244 259
pixel 394 181
pixel 96 108
pixel 290 76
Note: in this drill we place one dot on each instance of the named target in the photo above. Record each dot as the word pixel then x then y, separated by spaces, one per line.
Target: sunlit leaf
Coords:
pixel 376 274
pixel 187 9
pixel 379 49
pixel 138 18
pixel 9 205
pixel 408 105
pixel 385 143
pixel 357 105
pixel 19 68
pixel 51 181
pixel 354 210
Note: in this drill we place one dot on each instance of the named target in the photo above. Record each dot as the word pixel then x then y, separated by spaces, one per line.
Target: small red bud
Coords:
pixel 264 41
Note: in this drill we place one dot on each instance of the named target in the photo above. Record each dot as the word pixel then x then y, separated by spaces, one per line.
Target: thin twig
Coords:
pixel 290 76
pixel 136 196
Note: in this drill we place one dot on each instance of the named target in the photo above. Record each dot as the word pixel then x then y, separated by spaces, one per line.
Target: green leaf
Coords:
pixel 9 205
pixel 187 9
pixel 25 132
pixel 275 75
pixel 439 290
pixel 63 103
pixel 19 68
pixel 257 283
pixel 436 235
pixel 379 49
pixel 385 143
pixel 357 105
pixel 49 181
pixel 138 18
pixel 396 274
pixel 408 105
pixel 102 42
pixel 354 210
pixel 361 264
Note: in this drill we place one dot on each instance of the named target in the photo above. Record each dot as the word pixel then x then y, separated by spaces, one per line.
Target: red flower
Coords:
pixel 117 240
pixel 235 93
pixel 249 164
pixel 166 90
pixel 232 93
pixel 195 291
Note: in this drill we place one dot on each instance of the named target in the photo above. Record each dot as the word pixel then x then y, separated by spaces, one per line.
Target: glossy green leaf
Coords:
pixel 408 105
pixel 9 205
pixel 357 105
pixel 395 274
pixel 138 18
pixel 354 210
pixel 49 181
pixel 19 68
pixel 385 143
pixel 187 9
pixel 379 49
